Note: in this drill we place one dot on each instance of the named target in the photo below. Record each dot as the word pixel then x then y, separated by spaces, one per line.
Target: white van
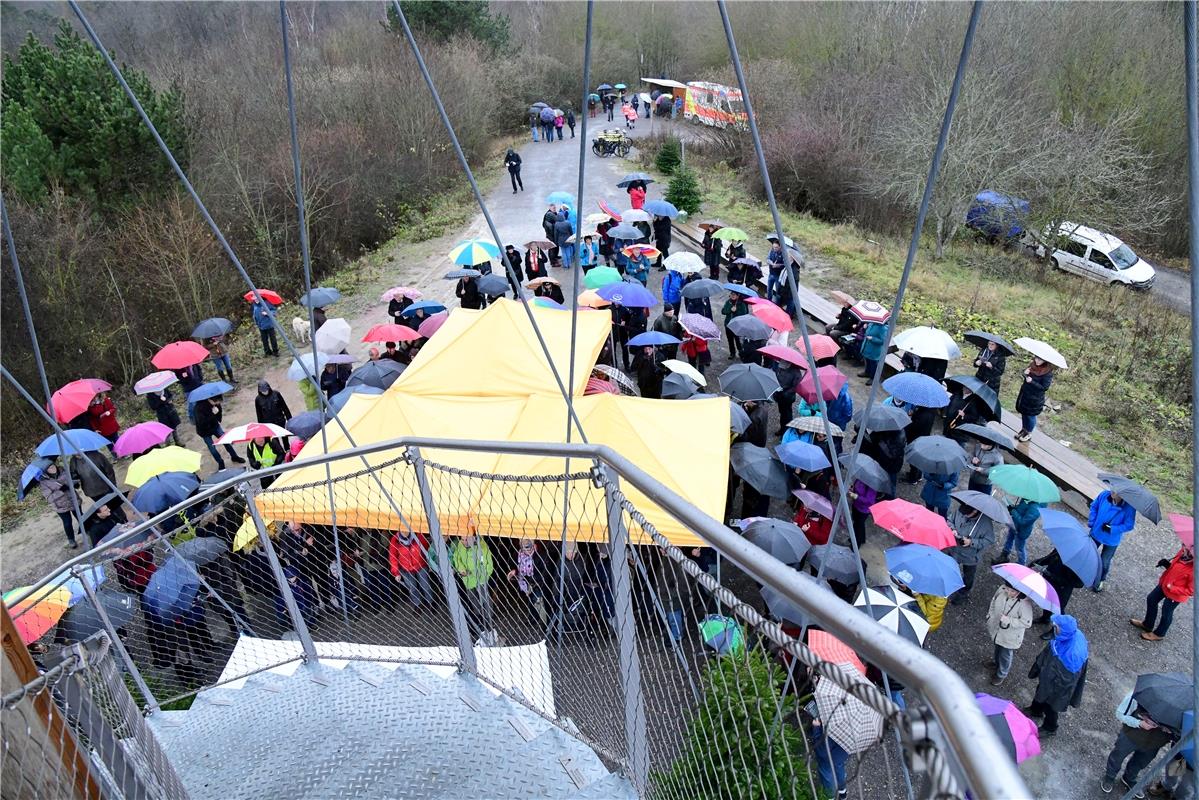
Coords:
pixel 1098 256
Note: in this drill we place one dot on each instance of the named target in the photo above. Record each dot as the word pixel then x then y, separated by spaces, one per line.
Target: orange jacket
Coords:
pixel 1178 581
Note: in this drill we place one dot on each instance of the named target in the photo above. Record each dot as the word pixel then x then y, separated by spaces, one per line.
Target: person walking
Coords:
pixel 630 116
pixel 163 406
pixel 1111 517
pixel 1008 617
pixel 1030 402
pixel 1061 673
pixel 264 318
pixel 269 406
pixel 208 428
pixel 1137 744
pixel 57 487
pixel 1174 587
pixel 570 121
pixel 975 535
pixel 1025 514
pixel 512 162
pixel 874 345
pixel 406 557
pixel 990 364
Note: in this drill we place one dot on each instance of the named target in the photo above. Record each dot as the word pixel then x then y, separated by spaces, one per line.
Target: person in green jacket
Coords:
pixel 734 307
pixel 311 401
pixel 873 348
pixel 470 558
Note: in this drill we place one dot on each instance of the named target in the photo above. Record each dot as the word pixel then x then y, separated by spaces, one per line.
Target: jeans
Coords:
pixel 897 697
pixel 534 127
pixel 1017 543
pixel 1157 597
pixel 1121 750
pixel 559 130
pixel 830 760
pixel 270 344
pixel 417 584
pixel 1106 553
pixel 772 280
pixel 674 621
pixel 870 366
pixel 567 254
pixel 223 365
pixel 216 456
pixel 1003 661
pixel 68 524
pixel 1028 423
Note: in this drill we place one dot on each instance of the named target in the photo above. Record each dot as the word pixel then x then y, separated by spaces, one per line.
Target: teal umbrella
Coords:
pixel 1024 482
pixel 722 634
pixel 601 276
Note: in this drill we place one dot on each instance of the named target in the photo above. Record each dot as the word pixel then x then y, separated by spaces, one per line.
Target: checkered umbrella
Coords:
pixel 847 720
pixel 895 611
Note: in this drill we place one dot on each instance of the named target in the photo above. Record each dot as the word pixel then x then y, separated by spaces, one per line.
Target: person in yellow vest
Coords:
pixel 262 453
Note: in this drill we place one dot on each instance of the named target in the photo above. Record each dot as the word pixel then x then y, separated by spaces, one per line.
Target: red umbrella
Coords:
pixel 390 332
pixel 73 399
pixel 604 207
pixel 913 523
pixel 178 355
pixel 771 314
pixel 635 250
pixel 268 295
pixel 822 346
pixel 832 380
pixel 433 324
pixel 833 650
pixel 783 354
pixel 253 430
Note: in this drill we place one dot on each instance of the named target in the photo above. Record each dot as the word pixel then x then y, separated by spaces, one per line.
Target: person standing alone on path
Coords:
pixel 570 121
pixel 512 162
pixel 264 318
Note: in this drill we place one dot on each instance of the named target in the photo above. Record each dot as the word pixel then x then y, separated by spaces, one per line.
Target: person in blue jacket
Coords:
pixel 1024 516
pixel 1111 517
pixel 874 345
pixel 264 318
pixel 672 288
pixel 935 493
pixel 840 411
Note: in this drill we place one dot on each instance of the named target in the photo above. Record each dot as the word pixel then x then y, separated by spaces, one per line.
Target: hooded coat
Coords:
pixel 991 364
pixel 271 407
pixel 57 490
pixel 1059 687
pixel 1109 521
pixel 406 553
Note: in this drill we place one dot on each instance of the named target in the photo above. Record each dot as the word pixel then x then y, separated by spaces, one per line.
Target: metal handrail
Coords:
pixel 988 767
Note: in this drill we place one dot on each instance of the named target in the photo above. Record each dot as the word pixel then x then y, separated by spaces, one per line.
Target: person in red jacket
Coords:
pixel 636 192
pixel 103 417
pixel 814 526
pixel 1174 587
pixel 406 555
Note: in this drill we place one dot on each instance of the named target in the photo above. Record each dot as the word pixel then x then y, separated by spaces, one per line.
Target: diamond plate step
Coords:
pixel 611 787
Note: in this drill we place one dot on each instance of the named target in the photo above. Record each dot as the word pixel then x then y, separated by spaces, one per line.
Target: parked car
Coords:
pixel 997 216
pixel 1096 255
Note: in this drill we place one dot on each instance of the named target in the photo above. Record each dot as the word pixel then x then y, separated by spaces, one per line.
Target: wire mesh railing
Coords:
pixel 550 585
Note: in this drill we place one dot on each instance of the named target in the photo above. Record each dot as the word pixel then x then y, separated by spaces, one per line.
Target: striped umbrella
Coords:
pixel 37 614
pixel 895 611
pixel 815 425
pixel 869 311
pixel 253 430
pixel 833 650
pixel 474 251
pixel 155 382
pixel 848 721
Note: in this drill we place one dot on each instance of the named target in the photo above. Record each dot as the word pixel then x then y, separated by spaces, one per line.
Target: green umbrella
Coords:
pixel 1024 482
pixel 734 234
pixel 601 276
pixel 722 634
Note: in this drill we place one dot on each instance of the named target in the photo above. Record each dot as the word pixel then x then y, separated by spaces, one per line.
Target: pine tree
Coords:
pixel 670 155
pixel 684 192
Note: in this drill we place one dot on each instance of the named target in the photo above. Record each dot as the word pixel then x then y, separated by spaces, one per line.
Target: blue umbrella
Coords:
pixel 307 424
pixel 1188 725
pixel 625 232
pixel 722 634
pixel 661 208
pixel 924 569
pixel 210 389
pixel 339 400
pixel 93 574
pixel 629 295
pixel 802 455
pixel 604 86
pixel 430 306
pixel 29 476
pixel 739 289
pixel 561 199
pixel 172 590
pixel 76 440
pixel 163 491
pixel 917 389
pixel 320 297
pixel 1073 544
pixel 653 339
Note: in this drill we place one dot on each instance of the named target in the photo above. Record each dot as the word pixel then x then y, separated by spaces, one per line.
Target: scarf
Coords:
pixel 1044 369
pixel 524 570
pixel 1070 645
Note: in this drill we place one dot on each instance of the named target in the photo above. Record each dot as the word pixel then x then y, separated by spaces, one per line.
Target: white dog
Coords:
pixel 302 329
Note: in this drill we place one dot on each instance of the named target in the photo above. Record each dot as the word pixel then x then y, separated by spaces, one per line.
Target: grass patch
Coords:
pixel 1124 403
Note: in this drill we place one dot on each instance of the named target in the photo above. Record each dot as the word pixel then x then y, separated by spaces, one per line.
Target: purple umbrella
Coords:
pixel 340 358
pixel 629 295
pixel 141 437
pixel 700 327
pixel 815 502
pixel 1031 583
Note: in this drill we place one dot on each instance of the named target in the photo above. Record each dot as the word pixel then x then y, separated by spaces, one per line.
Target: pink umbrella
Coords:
pixel 815 502
pixel 783 354
pixel 869 311
pixel 822 346
pixel 1017 732
pixel 700 327
pixel 155 382
pixel 771 314
pixel 1031 583
pixel 913 523
pixel 390 332
pixel 433 324
pixel 600 386
pixel 73 399
pixel 254 430
pixel 178 355
pixel 400 291
pixel 1184 528
pixel 832 380
pixel 140 438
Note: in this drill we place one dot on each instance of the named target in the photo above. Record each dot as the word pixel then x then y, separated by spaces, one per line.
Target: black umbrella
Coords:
pixel 883 418
pixel 839 563
pixel 704 287
pixel 493 285
pixel 982 393
pixel 163 491
pixel 985 434
pixel 82 619
pixel 213 326
pixel 1135 494
pixel 133 541
pixel 540 105
pixel 379 374
pixel 980 339
pixel 783 540
pixel 761 470
pixel 97 505
pixel 307 424
pixel 202 549
pixel 745 382
pixel 220 476
pixel 634 177
pixel 867 470
pixel 986 504
pixel 938 455
pixel 677 387
pixel 783 609
pixel 747 326
pixel 1164 696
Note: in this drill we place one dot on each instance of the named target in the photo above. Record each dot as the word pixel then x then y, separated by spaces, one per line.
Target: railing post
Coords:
pixel 293 609
pixel 626 635
pixel 448 582
pixel 134 672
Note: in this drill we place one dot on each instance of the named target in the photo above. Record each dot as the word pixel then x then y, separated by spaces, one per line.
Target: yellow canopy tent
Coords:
pixel 683 444
pixel 495 353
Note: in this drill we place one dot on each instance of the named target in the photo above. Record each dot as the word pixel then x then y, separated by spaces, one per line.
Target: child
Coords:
pixel 1009 616
pixel 630 116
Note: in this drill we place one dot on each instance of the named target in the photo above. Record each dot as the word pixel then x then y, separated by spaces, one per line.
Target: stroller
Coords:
pixel 611 142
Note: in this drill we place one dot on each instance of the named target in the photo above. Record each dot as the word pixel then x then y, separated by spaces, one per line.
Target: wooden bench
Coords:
pixel 1073 473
